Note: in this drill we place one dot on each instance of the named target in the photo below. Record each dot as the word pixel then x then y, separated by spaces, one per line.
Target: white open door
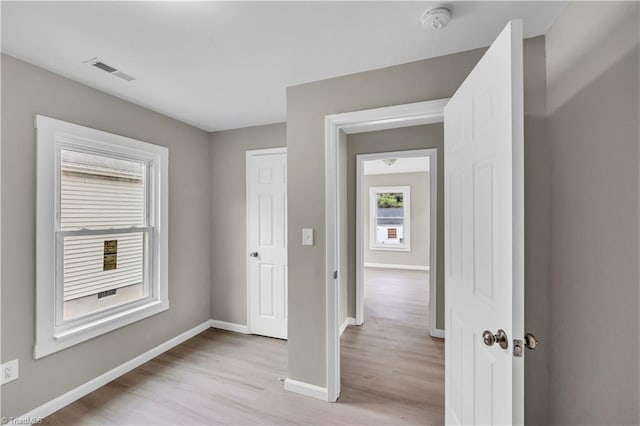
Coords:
pixel 484 239
pixel 267 242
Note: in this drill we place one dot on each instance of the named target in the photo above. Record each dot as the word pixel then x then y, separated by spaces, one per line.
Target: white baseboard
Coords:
pixel 230 326
pixel 347 322
pixel 437 333
pixel 395 266
pixel 344 325
pixel 307 389
pixel 73 395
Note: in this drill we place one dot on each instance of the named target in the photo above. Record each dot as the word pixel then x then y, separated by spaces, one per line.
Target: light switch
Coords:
pixel 307 237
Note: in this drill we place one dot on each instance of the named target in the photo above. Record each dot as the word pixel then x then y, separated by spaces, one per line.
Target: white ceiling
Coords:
pixel 401 165
pixel 223 65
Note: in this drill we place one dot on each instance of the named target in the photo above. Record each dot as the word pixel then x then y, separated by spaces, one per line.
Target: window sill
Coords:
pixel 56 341
pixel 378 248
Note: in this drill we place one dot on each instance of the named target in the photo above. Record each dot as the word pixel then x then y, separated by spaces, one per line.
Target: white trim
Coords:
pixel 251 153
pixel 344 325
pixel 52 136
pixel 307 389
pixel 359 241
pixel 230 326
pixel 436 332
pixel 355 122
pixel 433 242
pixel 73 395
pixel 347 322
pixel 266 151
pixel 396 266
pixel 332 336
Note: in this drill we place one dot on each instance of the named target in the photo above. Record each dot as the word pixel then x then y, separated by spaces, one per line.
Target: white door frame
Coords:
pixel 432 153
pixel 406 115
pixel 249 154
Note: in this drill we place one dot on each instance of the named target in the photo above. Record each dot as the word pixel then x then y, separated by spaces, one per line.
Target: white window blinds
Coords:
pixel 100 193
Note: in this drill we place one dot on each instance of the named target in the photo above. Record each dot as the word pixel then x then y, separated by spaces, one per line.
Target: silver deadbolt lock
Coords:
pixel 530 342
pixel 517 348
pixel 253 254
pixel 500 338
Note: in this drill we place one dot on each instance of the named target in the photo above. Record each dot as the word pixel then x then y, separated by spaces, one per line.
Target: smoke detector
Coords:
pixel 436 18
pixel 96 62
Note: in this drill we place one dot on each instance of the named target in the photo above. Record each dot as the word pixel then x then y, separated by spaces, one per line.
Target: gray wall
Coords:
pixel 435 78
pixel 228 211
pixel 402 139
pixel 418 218
pixel 593 93
pixel 591 155
pixel 26 91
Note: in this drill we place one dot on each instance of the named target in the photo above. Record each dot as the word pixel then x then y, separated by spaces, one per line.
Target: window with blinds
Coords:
pixel 102 233
pixel 102 227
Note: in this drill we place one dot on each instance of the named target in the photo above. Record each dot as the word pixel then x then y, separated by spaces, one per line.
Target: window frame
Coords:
pixel 53 136
pixel 373 218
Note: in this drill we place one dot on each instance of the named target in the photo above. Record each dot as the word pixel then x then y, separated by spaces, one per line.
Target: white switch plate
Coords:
pixel 307 237
pixel 9 371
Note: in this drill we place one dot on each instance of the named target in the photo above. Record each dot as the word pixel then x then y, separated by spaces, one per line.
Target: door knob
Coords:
pixel 530 341
pixel 253 254
pixel 500 338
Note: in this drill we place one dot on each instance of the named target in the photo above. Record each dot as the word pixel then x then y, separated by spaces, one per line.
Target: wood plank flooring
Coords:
pixel 391 361
pixel 392 373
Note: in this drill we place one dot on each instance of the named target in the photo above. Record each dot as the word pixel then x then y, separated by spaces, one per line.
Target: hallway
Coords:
pixel 391 360
pixel 392 373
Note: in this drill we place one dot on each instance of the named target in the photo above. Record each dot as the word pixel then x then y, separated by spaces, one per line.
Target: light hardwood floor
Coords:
pixel 391 361
pixel 392 373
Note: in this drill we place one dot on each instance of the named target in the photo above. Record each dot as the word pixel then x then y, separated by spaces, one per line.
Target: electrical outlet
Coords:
pixel 9 371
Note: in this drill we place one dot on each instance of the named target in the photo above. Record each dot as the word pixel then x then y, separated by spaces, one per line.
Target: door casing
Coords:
pixel 432 154
pixel 392 117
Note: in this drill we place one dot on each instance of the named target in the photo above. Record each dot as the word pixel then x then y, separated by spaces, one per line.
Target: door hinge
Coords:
pixel 335 275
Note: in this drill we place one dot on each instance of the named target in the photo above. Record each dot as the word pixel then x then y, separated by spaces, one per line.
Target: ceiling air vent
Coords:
pixel 104 67
pixel 96 62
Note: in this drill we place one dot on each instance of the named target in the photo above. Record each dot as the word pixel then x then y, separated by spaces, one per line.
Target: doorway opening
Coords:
pixel 396 219
pixel 337 127
pixel 396 231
